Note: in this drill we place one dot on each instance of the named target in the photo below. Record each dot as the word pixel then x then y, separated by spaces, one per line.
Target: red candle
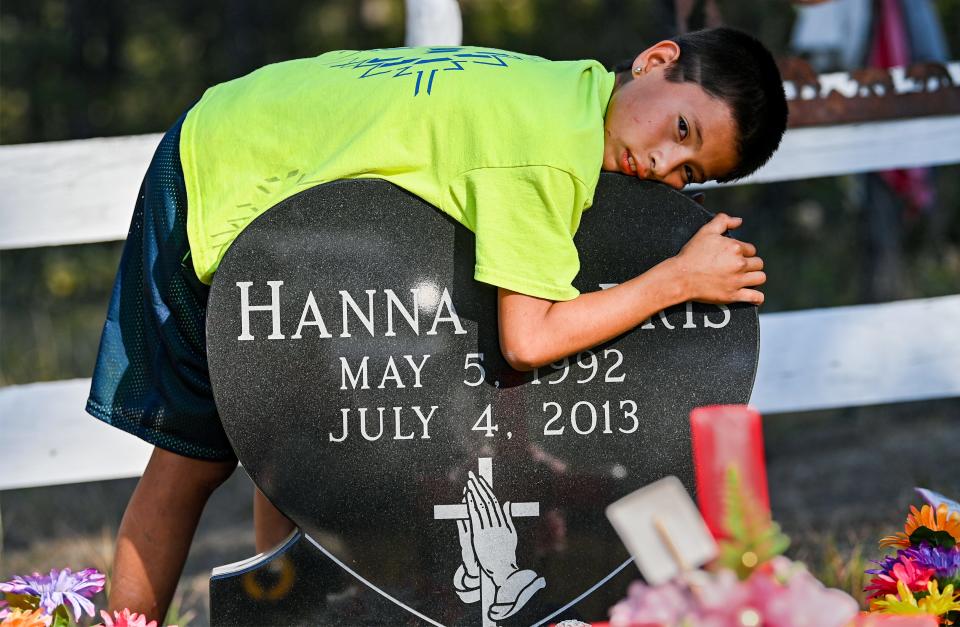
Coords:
pixel 726 436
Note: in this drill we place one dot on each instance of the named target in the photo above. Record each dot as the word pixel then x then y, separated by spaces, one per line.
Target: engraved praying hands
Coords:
pixel 494 537
pixel 488 550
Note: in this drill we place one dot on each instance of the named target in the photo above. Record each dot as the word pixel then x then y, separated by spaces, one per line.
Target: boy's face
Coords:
pixel 675 133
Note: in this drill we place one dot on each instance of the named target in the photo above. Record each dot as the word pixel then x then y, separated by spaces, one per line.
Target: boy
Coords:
pixel 509 145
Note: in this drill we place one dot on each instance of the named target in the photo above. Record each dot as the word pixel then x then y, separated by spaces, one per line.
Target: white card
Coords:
pixel 662 528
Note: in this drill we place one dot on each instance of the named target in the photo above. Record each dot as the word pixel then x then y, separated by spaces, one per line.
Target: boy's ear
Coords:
pixel 660 54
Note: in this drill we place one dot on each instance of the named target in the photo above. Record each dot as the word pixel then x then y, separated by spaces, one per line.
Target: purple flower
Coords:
pixel 60 588
pixel 886 564
pixel 946 562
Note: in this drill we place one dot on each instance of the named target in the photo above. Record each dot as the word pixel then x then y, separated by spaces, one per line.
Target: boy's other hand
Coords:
pixel 720 270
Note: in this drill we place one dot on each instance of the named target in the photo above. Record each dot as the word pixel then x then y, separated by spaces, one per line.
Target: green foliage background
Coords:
pixel 73 69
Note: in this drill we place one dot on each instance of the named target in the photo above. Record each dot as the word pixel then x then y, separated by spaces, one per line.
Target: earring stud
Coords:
pixel 638 69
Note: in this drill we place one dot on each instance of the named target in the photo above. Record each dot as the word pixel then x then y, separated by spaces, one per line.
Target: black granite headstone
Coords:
pixel 357 370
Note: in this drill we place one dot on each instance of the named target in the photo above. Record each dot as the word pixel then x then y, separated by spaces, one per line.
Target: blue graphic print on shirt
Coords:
pixel 456 58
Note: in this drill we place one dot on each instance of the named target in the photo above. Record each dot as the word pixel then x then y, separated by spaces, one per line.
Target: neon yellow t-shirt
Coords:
pixel 509 145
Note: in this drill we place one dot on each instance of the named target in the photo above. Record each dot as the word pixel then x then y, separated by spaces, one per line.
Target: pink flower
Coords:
pixel 721 600
pixel 771 597
pixel 666 604
pixel 126 618
pixel 906 570
pixel 779 594
pixel 822 607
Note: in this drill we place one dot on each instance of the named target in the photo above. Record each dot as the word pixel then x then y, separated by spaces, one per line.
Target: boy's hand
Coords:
pixel 720 270
pixel 710 268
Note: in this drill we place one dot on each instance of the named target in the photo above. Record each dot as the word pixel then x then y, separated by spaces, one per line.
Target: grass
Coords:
pixel 177 615
pixel 843 570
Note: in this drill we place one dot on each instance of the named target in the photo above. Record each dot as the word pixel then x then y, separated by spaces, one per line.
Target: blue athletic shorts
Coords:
pixel 151 377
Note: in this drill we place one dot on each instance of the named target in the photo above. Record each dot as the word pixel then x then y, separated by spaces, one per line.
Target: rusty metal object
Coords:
pixel 868 94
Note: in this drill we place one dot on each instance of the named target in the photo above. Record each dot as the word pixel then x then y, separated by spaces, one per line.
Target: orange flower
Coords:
pixel 940 520
pixel 23 618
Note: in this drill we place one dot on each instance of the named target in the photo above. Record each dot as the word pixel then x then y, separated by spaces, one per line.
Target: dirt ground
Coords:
pixel 838 481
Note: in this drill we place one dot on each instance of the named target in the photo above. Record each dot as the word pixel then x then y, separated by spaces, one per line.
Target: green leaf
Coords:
pixel 947 581
pixel 936 538
pixel 734 505
pixel 22 601
pixel 61 618
pixel 753 537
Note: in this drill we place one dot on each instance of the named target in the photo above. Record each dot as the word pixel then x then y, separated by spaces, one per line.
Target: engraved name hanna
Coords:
pixel 435 303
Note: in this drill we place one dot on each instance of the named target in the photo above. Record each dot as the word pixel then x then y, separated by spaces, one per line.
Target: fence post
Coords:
pixel 433 23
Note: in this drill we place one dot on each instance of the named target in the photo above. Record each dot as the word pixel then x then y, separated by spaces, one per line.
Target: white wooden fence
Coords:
pixel 815 359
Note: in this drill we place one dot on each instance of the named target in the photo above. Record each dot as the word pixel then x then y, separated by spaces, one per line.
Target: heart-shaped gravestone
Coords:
pixel 357 370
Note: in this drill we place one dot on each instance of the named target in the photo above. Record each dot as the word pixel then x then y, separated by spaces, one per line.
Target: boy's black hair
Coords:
pixel 736 68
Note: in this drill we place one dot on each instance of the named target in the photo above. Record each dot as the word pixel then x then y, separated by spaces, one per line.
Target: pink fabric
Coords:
pixel 891 48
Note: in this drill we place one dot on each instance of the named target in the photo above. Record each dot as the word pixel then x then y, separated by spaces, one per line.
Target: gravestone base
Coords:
pixel 298 585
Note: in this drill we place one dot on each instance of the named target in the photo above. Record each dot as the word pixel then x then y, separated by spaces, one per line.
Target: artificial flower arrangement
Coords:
pixel 750 584
pixel 923 576
pixel 58 600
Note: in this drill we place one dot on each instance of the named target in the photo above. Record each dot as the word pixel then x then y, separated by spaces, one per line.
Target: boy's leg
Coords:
pixel 157 529
pixel 269 525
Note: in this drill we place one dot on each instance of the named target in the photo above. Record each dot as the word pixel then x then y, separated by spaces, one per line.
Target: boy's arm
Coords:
pixel 710 268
